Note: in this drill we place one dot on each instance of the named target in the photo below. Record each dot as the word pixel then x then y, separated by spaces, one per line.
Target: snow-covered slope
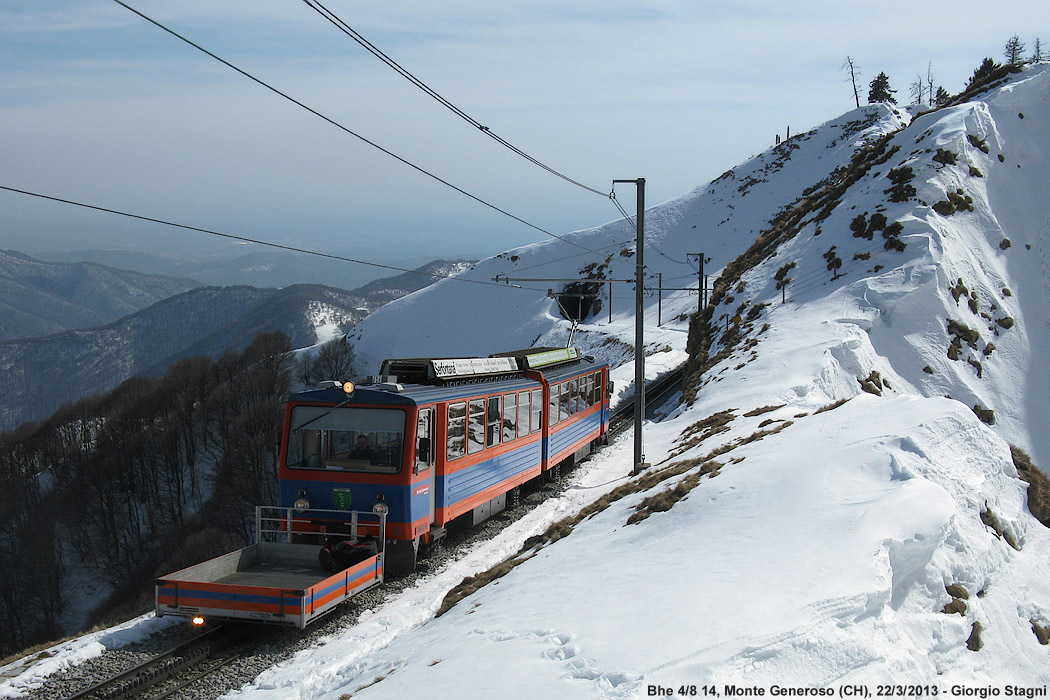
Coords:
pixel 830 509
pixel 822 549
pixel 462 317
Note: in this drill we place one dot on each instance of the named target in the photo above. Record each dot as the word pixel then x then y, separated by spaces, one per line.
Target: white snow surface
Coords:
pixel 819 553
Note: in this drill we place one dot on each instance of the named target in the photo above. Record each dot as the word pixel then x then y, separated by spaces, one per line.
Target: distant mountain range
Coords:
pixel 42 373
pixel 39 298
pixel 270 268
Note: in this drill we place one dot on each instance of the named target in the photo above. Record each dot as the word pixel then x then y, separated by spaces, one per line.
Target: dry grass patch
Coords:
pixel 873 383
pixel 959 596
pixel 700 431
pixel 989 518
pixel 974 643
pixel 472 584
pixel 831 406
pixel 987 415
pixel 666 499
pixel 1038 485
pixel 762 410
pixel 1042 633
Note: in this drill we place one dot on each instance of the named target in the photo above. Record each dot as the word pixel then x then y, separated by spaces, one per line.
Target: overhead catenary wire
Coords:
pixel 344 27
pixel 630 221
pixel 404 72
pixel 348 130
pixel 245 239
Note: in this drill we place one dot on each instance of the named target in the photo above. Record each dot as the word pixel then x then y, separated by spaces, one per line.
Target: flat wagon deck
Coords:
pixel 270 581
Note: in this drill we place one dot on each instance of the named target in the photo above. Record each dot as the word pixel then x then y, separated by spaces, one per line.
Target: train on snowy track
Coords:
pixel 372 474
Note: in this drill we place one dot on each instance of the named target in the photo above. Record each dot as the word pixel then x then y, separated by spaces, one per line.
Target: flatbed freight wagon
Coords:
pixel 277 582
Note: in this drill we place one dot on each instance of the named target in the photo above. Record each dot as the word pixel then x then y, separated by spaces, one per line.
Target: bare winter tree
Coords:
pixel 1037 52
pixel 917 90
pixel 929 82
pixel 1014 49
pixel 853 74
pixel 334 360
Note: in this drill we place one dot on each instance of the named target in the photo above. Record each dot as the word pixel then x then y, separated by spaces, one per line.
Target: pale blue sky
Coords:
pixel 99 106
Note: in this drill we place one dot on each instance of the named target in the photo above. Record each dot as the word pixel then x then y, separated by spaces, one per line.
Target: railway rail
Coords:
pixel 656 394
pixel 212 654
pixel 166 673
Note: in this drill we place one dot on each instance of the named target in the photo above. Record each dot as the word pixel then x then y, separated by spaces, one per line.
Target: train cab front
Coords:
pixel 354 451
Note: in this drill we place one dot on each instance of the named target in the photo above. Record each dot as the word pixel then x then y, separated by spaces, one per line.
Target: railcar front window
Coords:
pixel 346 439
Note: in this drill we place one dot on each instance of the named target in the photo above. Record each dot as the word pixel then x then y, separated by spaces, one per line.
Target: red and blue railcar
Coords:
pixel 393 464
pixel 435 441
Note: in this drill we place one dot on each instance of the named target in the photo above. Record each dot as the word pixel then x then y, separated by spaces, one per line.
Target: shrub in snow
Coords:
pixel 978 143
pixel 974 643
pixel 987 417
pixel 1042 633
pixel 1038 485
pixel 944 157
pixel 901 191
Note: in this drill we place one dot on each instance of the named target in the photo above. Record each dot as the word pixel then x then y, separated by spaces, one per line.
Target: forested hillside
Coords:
pixel 155 474
pixel 41 298
pixel 44 373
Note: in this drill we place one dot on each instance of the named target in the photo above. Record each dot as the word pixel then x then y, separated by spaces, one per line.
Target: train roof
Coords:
pixel 452 370
pixel 397 394
pixel 415 381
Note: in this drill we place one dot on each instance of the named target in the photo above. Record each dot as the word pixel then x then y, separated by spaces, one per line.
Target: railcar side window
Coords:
pixel 476 426
pixel 552 405
pixel 457 430
pixel 346 439
pixel 510 417
pixel 574 394
pixel 495 431
pixel 590 390
pixel 564 401
pixel 524 409
pixel 537 410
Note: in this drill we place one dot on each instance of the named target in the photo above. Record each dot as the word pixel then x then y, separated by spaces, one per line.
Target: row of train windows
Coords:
pixel 479 423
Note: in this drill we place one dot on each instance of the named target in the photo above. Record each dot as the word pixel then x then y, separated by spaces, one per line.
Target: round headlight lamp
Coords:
pixel 301 504
pixel 380 507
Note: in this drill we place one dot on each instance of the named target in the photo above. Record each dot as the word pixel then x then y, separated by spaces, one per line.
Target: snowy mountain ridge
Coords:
pixel 885 539
pixel 835 505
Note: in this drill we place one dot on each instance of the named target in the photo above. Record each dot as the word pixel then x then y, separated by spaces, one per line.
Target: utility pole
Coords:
pixel 700 286
pixel 660 299
pixel 639 320
pixel 639 326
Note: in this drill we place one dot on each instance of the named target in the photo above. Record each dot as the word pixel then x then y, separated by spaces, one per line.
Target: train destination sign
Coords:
pixel 550 357
pixel 473 366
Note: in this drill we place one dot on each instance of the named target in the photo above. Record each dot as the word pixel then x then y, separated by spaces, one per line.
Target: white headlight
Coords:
pixel 380 508
pixel 301 505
